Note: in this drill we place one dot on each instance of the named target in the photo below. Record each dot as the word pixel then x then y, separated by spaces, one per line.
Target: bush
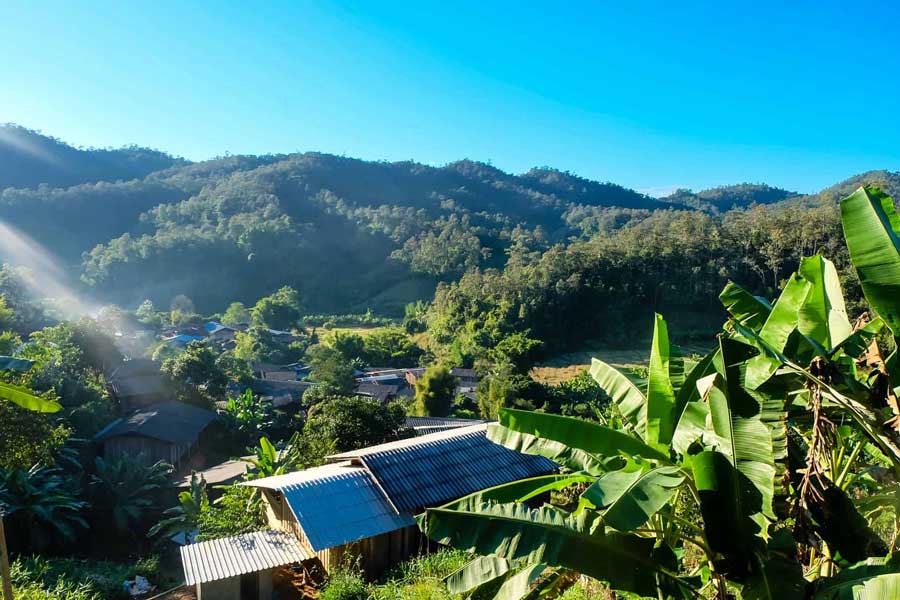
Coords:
pixel 344 584
pixel 39 578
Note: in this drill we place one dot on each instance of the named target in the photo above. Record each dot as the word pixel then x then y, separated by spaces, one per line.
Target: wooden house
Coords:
pixel 360 506
pixel 138 383
pixel 169 432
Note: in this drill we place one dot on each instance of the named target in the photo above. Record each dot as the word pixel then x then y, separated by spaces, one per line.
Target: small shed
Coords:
pixel 239 567
pixel 168 431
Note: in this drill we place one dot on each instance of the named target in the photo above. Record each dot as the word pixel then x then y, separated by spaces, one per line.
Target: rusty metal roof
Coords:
pixel 336 504
pixel 436 468
pixel 247 553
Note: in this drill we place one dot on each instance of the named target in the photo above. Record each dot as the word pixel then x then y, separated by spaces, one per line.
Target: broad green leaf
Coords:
pixel 872 231
pixel 24 397
pixel 518 491
pixel 480 571
pixel 629 500
pixel 823 315
pixel 690 412
pixel 858 342
pixel 592 438
pixel 778 575
pixel 873 579
pixel 744 307
pixel 742 428
pixel 628 397
pixel 519 585
pixel 660 393
pixel 515 532
pixel 775 332
pixel 566 456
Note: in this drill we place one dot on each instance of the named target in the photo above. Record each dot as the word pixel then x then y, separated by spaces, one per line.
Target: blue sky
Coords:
pixel 651 95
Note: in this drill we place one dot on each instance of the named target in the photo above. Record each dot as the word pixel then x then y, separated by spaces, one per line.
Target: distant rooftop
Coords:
pixel 172 422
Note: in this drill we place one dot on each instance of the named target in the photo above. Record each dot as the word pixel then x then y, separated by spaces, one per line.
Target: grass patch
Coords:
pixel 40 578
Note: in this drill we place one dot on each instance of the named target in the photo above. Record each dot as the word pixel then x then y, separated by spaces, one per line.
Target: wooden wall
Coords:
pixel 148 450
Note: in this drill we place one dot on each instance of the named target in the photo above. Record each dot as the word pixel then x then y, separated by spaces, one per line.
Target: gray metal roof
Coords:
pixel 435 468
pixel 247 553
pixel 336 504
pixel 423 425
pixel 173 422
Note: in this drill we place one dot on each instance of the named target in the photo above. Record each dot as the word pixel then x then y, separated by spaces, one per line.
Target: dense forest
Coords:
pixel 540 251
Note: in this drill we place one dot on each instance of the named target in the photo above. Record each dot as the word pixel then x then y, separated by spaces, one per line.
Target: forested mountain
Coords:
pixel 28 159
pixel 544 247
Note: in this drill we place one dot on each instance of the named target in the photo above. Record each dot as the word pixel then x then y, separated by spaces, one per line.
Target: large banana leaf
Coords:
pixel 629 499
pixel 624 392
pixel 521 584
pixel 744 307
pixel 478 572
pixel 518 491
pixel 823 315
pixel 590 437
pixel 872 230
pixel 872 579
pixel 776 331
pixel 515 532
pixel 566 456
pixel 742 428
pixel 24 397
pixel 690 410
pixel 660 393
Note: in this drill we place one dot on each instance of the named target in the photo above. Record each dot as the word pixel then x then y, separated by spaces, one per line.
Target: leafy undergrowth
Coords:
pixel 40 578
pixel 422 579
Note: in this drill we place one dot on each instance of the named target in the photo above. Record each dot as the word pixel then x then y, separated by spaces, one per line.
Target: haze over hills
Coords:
pixel 136 223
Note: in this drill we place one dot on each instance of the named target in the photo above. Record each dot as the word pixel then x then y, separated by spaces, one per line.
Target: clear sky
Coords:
pixel 651 95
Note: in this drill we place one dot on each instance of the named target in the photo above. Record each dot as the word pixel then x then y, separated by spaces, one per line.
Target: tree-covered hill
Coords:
pixel 29 159
pixel 353 234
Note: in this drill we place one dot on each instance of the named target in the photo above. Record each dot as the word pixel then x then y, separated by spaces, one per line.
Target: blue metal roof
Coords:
pixel 434 469
pixel 336 504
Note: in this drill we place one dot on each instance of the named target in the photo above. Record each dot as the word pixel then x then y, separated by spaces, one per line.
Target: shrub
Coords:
pixel 345 584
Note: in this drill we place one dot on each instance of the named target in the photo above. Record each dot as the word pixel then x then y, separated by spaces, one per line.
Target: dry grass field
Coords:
pixel 566 366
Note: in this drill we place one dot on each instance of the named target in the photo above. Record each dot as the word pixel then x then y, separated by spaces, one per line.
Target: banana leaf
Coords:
pixel 24 397
pixel 823 315
pixel 872 579
pixel 778 575
pixel 624 392
pixel 515 532
pixel 518 491
pixel 776 331
pixel 629 499
pixel 660 392
pixel 592 438
pixel 521 584
pixel 478 572
pixel 749 310
pixel 872 231
pixel 566 456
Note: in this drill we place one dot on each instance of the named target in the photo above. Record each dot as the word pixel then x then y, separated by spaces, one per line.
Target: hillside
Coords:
pixel 29 159
pixel 350 234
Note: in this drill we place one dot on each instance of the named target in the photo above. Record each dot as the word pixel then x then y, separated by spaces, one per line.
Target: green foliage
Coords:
pixel 42 505
pixel 123 492
pixel 184 518
pixel 196 374
pixel 355 422
pixel 236 314
pixel 41 578
pixel 28 437
pixel 331 370
pixel 435 390
pixel 258 344
pixel 384 347
pixel 247 415
pixel 345 584
pixel 280 310
pixel 235 512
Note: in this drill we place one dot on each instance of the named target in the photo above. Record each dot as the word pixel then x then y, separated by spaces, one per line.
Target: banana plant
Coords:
pixel 20 395
pixel 695 437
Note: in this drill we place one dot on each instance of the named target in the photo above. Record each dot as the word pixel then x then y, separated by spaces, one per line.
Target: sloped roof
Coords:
pixel 336 504
pixel 440 423
pixel 435 468
pixel 139 385
pixel 247 553
pixel 172 422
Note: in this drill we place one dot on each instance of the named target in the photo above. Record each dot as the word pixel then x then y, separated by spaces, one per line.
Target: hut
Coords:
pixel 170 431
pixel 360 506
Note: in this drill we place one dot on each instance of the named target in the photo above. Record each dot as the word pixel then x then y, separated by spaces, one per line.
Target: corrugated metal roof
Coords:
pixel 247 553
pixel 173 422
pixel 433 469
pixel 436 424
pixel 336 504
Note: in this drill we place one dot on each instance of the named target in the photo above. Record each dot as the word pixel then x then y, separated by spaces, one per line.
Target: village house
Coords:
pixel 360 507
pixel 171 432
pixel 137 383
